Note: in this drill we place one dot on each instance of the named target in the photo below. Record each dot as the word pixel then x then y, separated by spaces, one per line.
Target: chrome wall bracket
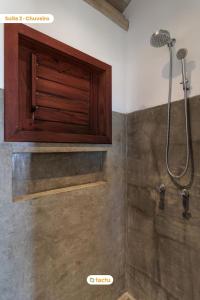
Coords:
pixel 172 43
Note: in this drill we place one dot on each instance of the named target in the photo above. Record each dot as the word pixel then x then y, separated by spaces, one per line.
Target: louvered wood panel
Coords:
pixel 60 90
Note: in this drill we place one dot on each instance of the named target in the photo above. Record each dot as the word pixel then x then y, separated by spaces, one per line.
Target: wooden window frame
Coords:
pixel 13 131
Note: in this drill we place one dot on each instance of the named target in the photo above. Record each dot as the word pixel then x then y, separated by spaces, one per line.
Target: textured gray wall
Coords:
pixel 49 246
pixel 163 249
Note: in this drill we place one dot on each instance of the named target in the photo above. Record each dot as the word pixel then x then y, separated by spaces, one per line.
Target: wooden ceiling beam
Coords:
pixel 121 5
pixel 110 11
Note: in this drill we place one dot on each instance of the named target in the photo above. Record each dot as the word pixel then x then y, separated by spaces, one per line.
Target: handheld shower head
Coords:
pixel 182 53
pixel 161 38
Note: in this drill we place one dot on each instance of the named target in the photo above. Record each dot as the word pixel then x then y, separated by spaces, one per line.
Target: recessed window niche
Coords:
pixel 39 174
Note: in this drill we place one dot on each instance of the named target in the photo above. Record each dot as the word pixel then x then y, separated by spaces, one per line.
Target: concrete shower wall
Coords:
pixel 48 246
pixel 163 249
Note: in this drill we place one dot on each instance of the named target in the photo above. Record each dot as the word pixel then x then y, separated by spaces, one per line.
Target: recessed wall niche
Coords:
pixel 39 174
pixel 53 92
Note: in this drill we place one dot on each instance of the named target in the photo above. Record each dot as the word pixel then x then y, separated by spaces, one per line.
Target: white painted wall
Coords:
pixel 147 67
pixel 140 72
pixel 81 26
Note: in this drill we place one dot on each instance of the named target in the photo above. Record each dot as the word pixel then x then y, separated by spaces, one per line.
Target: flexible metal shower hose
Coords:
pixel 169 119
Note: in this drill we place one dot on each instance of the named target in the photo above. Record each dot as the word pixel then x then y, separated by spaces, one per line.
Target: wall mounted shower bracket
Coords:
pixel 172 43
pixel 186 85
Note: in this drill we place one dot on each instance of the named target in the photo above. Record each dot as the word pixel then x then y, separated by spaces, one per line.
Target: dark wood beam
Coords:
pixel 110 11
pixel 121 5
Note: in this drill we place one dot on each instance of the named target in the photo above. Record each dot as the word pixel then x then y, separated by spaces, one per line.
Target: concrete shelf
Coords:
pixel 21 148
pixel 58 191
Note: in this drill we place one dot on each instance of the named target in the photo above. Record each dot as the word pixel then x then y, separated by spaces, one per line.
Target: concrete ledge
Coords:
pixel 21 148
pixel 26 147
pixel 58 191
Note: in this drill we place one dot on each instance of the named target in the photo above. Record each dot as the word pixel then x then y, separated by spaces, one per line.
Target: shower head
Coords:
pixel 161 38
pixel 182 53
